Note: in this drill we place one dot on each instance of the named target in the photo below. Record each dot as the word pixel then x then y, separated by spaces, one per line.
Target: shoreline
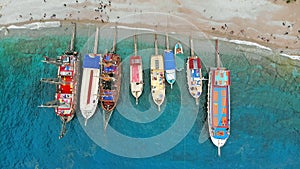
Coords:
pixel 270 23
pixel 291 53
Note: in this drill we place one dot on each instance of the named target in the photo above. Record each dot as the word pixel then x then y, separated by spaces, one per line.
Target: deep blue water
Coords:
pixel 265 111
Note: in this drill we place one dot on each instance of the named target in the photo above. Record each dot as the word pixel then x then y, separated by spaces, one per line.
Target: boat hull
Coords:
pixel 170 66
pixel 136 76
pixel 89 92
pixel 171 76
pixel 67 118
pixel 157 80
pixel 89 86
pixel 179 56
pixel 219 106
pixel 66 92
pixel 136 89
pixel 194 78
pixel 110 85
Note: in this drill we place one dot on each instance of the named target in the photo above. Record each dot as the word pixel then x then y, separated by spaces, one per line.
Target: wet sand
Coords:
pixel 271 23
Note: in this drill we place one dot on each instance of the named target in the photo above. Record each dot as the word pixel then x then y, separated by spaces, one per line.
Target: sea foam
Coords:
pixel 131 28
pixel 250 44
pixel 36 25
pixel 294 57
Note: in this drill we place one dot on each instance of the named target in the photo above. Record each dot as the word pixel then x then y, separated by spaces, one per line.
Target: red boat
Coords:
pixel 136 74
pixel 110 84
pixel 66 85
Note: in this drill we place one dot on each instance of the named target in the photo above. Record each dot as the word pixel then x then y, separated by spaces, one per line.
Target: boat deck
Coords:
pixel 136 69
pixel 169 60
pixel 195 77
pixel 111 81
pixel 135 74
pixel 65 91
pixel 157 79
pixel 220 103
pixel 89 85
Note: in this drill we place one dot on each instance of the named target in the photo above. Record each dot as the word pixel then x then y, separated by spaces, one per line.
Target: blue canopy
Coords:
pixel 169 60
pixel 108 98
pixel 91 61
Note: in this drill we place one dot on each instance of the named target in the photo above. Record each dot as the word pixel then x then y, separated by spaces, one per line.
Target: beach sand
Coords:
pixel 271 23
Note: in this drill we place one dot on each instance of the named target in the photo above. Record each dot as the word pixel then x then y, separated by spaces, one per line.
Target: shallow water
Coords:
pixel 265 109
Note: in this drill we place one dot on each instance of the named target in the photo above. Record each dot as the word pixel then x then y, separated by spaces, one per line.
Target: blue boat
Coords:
pixel 170 67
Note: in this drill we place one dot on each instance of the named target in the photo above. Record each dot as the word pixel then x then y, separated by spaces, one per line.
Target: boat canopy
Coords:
pixel 109 69
pixel 107 98
pixel 222 77
pixel 169 60
pixel 194 63
pixel 178 48
pixel 91 62
pixel 220 133
pixel 196 73
pixel 135 60
pixel 135 74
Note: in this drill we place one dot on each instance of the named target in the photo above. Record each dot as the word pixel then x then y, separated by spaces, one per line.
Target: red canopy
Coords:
pixel 194 63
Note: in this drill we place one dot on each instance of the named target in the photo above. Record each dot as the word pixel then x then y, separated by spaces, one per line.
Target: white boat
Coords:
pixel 179 56
pixel 169 64
pixel 218 106
pixel 157 77
pixel 194 75
pixel 136 74
pixel 90 83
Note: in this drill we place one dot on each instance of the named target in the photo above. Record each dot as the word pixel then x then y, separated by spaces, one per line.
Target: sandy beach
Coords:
pixel 271 23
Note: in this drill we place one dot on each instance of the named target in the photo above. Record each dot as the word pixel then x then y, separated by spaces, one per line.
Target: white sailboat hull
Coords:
pixel 89 92
pixel 136 87
pixel 157 80
pixel 171 76
pixel 194 84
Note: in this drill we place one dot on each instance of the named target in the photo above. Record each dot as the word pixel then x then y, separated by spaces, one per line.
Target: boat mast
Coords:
pixel 155 44
pixel 167 42
pixel 73 38
pixel 63 130
pixel 135 45
pixel 106 116
pixel 54 81
pixel 113 50
pixel 135 53
pixel 96 41
pixel 192 46
pixel 51 104
pixel 217 54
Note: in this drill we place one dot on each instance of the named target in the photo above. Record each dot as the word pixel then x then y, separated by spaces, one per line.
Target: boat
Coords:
pixel 157 77
pixel 194 74
pixel 219 104
pixel 136 74
pixel 90 82
pixel 65 102
pixel 169 64
pixel 179 56
pixel 110 82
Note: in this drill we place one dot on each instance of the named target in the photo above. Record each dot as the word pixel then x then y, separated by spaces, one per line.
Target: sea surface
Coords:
pixel 265 108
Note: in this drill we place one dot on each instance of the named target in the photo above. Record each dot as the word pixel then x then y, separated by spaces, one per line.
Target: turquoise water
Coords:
pixel 265 111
